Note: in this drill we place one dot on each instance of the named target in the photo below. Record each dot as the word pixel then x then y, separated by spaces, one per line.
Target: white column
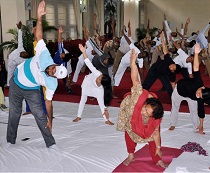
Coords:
pixel 78 16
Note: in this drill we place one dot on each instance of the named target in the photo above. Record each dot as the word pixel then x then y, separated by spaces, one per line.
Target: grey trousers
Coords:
pixel 176 100
pixel 33 97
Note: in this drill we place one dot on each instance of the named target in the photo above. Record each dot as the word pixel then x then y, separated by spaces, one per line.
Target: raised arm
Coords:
pixel 20 35
pixel 60 32
pixel 40 12
pixel 113 25
pixel 83 50
pixel 148 24
pixel 129 28
pixel 165 34
pixel 126 37
pixel 182 29
pixel 88 62
pixel 165 50
pixel 166 24
pixel 180 34
pixel 95 24
pixel 86 32
pixel 96 33
pixel 186 26
pixel 134 70
pixel 60 42
pixel 39 35
pixel 174 43
pixel 196 61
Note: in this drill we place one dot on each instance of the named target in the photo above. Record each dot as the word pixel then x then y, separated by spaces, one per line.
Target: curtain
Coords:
pixel 98 5
pixel 35 4
pixel 76 5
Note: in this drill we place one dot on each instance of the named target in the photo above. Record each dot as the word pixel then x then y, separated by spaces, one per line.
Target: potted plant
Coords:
pixel 28 38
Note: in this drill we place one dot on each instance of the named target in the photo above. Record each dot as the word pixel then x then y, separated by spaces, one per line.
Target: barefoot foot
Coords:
pixel 114 97
pixel 129 159
pixel 109 122
pixel 76 119
pixel 172 128
pixel 162 164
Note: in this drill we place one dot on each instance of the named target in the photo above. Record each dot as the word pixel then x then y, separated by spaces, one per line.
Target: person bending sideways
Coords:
pixel 196 94
pixel 163 70
pixel 37 71
pixel 139 117
pixel 95 85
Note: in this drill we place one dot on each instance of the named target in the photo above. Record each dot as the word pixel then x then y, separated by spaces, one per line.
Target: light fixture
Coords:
pixel 130 0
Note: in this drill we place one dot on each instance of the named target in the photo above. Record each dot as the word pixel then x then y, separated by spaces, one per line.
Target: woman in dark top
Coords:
pixel 191 89
pixel 163 70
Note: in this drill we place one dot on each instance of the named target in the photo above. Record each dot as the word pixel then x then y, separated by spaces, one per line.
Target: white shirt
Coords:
pixel 124 46
pixel 89 86
pixel 137 51
pixel 14 58
pixel 181 60
pixel 30 74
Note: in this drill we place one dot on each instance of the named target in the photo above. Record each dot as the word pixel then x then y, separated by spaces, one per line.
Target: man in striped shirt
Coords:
pixel 37 71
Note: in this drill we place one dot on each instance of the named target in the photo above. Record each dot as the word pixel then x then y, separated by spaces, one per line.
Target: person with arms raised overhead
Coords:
pixel 17 56
pixel 163 70
pixel 37 71
pixel 196 94
pixel 139 117
pixel 62 56
pixel 96 85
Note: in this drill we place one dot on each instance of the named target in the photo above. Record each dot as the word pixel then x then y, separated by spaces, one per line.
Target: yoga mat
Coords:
pixel 143 161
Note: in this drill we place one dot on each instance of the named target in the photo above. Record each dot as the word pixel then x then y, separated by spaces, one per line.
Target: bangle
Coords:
pixel 158 147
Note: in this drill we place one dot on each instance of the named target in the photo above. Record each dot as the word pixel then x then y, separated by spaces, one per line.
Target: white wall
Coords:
pixel 177 12
pixel 12 11
pixel 131 12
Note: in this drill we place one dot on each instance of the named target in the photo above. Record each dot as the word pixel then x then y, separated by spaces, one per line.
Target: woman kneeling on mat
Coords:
pixel 139 117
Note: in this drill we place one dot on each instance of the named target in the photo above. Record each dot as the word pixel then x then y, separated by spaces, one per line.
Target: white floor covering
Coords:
pixel 90 145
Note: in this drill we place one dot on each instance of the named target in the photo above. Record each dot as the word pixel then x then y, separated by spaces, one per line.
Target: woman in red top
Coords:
pixel 139 117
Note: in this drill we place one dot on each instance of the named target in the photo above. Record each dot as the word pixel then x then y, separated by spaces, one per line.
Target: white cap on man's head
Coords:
pixel 61 72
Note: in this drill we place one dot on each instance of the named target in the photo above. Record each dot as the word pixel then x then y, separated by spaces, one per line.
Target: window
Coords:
pixel 61 14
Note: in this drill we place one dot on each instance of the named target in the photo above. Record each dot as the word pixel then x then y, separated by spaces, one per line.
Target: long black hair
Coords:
pixel 106 83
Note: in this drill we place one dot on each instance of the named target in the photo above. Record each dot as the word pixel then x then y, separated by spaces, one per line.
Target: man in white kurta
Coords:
pixel 17 56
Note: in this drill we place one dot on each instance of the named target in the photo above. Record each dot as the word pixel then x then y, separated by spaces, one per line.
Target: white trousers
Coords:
pixel 124 64
pixel 176 100
pixel 82 102
pixel 79 66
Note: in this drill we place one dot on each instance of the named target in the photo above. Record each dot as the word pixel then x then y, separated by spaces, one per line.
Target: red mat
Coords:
pixel 143 161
